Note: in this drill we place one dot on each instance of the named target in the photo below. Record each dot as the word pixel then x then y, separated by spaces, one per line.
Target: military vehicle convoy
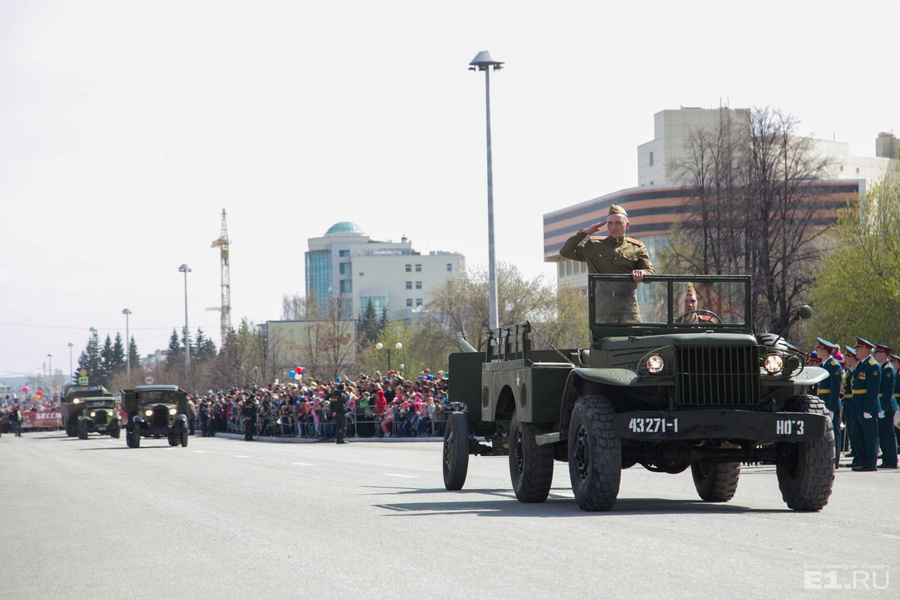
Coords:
pixel 156 411
pixel 99 415
pixel 669 389
pixel 72 405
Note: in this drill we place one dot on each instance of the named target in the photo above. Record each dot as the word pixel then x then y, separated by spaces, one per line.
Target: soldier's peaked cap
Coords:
pixel 895 357
pixel 827 345
pixel 883 348
pixel 615 209
pixel 850 351
pixel 864 343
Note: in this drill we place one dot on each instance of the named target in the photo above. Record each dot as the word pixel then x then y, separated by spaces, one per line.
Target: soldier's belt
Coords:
pixel 824 390
pixel 616 294
pixel 859 392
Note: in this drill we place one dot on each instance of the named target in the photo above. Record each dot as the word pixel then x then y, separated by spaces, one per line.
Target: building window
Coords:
pixel 409 302
pixel 449 267
pixel 379 304
pixel 344 268
pixel 344 253
pixel 409 285
pixel 651 159
pixel 418 285
pixel 346 286
pixel 418 302
pixel 409 268
pixel 418 268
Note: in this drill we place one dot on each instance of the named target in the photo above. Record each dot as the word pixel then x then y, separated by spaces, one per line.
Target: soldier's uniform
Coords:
pixel 829 391
pixel 866 386
pixel 606 254
pixel 849 404
pixel 249 412
pixel 886 439
pixel 895 361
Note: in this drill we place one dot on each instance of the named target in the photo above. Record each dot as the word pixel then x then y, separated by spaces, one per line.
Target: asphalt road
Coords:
pixel 224 518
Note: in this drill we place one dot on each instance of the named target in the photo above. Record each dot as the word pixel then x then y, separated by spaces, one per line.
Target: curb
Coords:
pixel 351 440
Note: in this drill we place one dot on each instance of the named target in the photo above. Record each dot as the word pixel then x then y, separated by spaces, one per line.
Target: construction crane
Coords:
pixel 225 311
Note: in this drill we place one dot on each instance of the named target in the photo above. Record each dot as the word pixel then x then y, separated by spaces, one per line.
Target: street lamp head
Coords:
pixel 125 311
pixel 379 346
pixel 483 62
pixel 184 269
pixel 398 345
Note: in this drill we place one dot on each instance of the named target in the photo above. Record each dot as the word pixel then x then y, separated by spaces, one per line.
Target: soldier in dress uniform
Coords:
pixel 886 439
pixel 895 362
pixel 850 362
pixel 866 386
pixel 612 254
pixel 251 417
pixel 829 391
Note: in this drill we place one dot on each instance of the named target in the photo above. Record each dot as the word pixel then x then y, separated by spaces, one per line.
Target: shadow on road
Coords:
pixel 504 504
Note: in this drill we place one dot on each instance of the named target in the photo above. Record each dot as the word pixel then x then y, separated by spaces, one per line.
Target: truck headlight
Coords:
pixel 149 412
pixel 93 414
pixel 773 364
pixel 76 401
pixel 655 363
pixel 173 412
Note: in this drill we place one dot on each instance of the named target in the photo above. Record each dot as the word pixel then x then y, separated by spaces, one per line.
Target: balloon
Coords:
pixel 291 374
pixel 25 388
pixel 298 370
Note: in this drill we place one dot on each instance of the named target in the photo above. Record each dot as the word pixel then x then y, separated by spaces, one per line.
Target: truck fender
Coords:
pixel 583 381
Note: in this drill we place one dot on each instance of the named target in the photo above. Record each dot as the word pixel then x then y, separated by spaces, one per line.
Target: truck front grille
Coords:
pixel 710 377
pixel 160 416
pixel 101 418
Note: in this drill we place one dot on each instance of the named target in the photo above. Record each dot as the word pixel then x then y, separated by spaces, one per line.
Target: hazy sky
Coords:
pixel 127 126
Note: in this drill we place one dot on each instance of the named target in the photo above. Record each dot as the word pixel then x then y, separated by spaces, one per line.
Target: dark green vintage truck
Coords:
pixel 685 386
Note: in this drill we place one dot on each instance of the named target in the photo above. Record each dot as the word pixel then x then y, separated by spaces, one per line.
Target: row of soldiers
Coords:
pixel 862 391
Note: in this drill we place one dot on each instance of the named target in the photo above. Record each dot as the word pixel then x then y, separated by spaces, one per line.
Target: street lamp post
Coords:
pixel 50 368
pixel 484 62
pixel 187 346
pixel 127 312
pixel 71 371
pixel 397 346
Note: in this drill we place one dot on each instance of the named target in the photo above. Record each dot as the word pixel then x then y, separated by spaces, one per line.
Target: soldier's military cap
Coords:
pixel 615 209
pixel 895 358
pixel 861 343
pixel 832 348
pixel 882 348
pixel 851 351
pixel 792 348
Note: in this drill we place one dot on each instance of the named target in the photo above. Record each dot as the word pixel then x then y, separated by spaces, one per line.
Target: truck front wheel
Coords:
pixel 456 451
pixel 595 453
pixel 716 482
pixel 530 465
pixel 807 475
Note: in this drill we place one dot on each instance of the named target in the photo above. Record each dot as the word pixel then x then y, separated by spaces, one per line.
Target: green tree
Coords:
pixel 89 360
pixel 174 353
pixel 204 349
pixel 369 325
pixel 857 290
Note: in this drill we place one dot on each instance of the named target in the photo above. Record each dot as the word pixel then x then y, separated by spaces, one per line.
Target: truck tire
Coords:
pixel 184 437
pixel 530 465
pixel 456 451
pixel 174 440
pixel 82 431
pixel 806 481
pixel 595 453
pixel 115 431
pixel 72 427
pixel 716 482
pixel 136 437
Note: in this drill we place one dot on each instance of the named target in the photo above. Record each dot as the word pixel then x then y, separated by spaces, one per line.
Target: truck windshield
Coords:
pixel 156 398
pixel 676 302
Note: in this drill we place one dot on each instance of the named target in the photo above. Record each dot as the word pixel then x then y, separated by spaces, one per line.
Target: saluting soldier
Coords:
pixel 829 391
pixel 866 389
pixel 886 439
pixel 612 254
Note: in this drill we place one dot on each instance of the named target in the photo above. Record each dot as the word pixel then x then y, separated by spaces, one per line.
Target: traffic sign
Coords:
pixel 148 380
pixel 82 381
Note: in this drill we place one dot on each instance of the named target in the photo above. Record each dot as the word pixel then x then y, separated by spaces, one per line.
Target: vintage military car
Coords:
pixel 100 415
pixel 156 411
pixel 670 389
pixel 72 404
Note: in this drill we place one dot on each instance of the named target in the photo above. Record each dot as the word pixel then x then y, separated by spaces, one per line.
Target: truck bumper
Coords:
pixel 721 424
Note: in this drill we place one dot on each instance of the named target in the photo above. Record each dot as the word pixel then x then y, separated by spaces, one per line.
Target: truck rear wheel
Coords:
pixel 82 430
pixel 135 437
pixel 530 465
pixel 716 482
pixel 806 479
pixel 595 453
pixel 456 451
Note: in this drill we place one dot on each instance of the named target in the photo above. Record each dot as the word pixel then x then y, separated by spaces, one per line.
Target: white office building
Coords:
pixel 346 263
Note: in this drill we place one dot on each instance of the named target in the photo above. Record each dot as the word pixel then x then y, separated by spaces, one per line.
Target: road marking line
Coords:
pixel 240 456
pixel 304 464
pixel 400 475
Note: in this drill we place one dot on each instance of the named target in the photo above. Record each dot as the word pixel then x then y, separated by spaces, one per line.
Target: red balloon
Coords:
pixel 298 370
pixel 25 389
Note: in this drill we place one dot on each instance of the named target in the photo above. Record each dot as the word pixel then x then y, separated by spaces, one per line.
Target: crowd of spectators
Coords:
pixel 379 406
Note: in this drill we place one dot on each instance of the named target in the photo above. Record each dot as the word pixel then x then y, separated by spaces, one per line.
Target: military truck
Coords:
pixel 662 387
pixel 72 404
pixel 100 415
pixel 156 411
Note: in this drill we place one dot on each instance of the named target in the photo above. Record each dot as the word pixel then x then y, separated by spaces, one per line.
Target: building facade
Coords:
pixel 661 196
pixel 347 265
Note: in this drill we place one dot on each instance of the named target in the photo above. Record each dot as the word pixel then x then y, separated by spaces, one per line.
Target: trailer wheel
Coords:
pixel 807 476
pixel 530 465
pixel 595 453
pixel 456 451
pixel 716 482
